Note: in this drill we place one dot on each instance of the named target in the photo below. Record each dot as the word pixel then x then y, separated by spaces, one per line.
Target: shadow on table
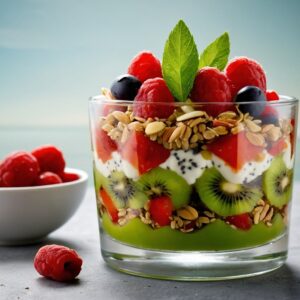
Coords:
pixel 283 283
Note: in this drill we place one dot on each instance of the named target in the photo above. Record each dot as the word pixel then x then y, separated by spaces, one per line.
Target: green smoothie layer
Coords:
pixel 215 236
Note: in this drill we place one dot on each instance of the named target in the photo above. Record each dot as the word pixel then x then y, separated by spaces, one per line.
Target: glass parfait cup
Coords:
pixel 202 195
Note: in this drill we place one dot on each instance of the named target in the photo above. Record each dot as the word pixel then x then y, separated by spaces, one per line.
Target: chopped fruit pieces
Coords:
pixel 277 147
pixel 48 178
pixel 243 71
pixel 50 158
pixel 109 205
pixel 57 262
pixel 161 210
pixel 145 66
pixel 152 95
pixel 143 153
pixel 234 149
pixel 104 145
pixel 269 116
pixel 211 85
pixel 242 221
pixel 272 95
pixel 19 169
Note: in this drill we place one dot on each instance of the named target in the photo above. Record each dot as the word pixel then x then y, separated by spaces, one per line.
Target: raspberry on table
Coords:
pixel 145 66
pixel 57 262
pixel 243 71
pixel 272 95
pixel 211 85
pixel 151 92
pixel 19 169
pixel 47 178
pixel 50 158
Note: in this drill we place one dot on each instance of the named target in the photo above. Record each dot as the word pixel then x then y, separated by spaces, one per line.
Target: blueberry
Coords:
pixel 270 119
pixel 125 87
pixel 251 94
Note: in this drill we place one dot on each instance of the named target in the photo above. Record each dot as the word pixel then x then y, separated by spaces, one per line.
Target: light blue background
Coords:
pixel 55 54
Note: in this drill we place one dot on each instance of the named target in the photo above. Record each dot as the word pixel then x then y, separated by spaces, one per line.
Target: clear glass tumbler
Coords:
pixel 202 195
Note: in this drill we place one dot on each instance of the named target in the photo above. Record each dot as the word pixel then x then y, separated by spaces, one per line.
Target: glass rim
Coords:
pixel 283 100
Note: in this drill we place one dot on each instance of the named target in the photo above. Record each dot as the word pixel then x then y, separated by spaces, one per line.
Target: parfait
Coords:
pixel 193 154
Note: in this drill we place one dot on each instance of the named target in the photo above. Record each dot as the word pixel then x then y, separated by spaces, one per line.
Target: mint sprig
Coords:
pixel 180 61
pixel 216 54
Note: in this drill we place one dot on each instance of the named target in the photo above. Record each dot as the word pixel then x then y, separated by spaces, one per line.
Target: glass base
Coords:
pixel 193 265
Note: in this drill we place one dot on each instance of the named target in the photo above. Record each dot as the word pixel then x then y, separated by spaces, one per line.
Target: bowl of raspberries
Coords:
pixel 38 194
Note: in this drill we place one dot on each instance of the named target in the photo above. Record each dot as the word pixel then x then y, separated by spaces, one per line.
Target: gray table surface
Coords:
pixel 19 280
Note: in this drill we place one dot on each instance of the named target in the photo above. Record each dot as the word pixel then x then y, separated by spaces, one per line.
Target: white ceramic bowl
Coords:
pixel 28 214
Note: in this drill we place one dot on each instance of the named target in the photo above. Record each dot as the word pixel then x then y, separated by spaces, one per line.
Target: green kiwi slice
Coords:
pixel 277 183
pixel 158 182
pixel 223 197
pixel 124 191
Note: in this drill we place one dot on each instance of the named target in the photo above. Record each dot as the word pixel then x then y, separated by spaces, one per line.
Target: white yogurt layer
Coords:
pixel 116 163
pixel 249 171
pixel 187 164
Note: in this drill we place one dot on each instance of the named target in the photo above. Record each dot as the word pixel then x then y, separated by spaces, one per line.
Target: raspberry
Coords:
pixel 145 66
pixel 152 91
pixel 68 177
pixel 47 178
pixel 50 158
pixel 272 95
pixel 243 71
pixel 19 169
pixel 211 85
pixel 160 210
pixel 58 262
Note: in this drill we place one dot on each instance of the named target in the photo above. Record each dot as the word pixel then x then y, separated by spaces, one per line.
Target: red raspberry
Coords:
pixel 58 262
pixel 242 221
pixel 47 178
pixel 152 91
pixel 211 85
pixel 68 177
pixel 19 169
pixel 243 71
pixel 160 210
pixel 272 95
pixel 145 66
pixel 50 158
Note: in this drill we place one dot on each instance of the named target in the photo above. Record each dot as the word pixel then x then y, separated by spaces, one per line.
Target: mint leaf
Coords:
pixel 180 61
pixel 216 54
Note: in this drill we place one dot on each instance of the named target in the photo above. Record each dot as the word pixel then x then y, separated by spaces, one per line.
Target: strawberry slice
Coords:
pixel 143 153
pixel 242 221
pixel 277 147
pixel 109 205
pixel 234 149
pixel 160 209
pixel 104 145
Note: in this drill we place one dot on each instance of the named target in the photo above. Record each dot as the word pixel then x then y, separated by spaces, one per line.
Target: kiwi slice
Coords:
pixel 124 191
pixel 158 182
pixel 223 197
pixel 277 183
